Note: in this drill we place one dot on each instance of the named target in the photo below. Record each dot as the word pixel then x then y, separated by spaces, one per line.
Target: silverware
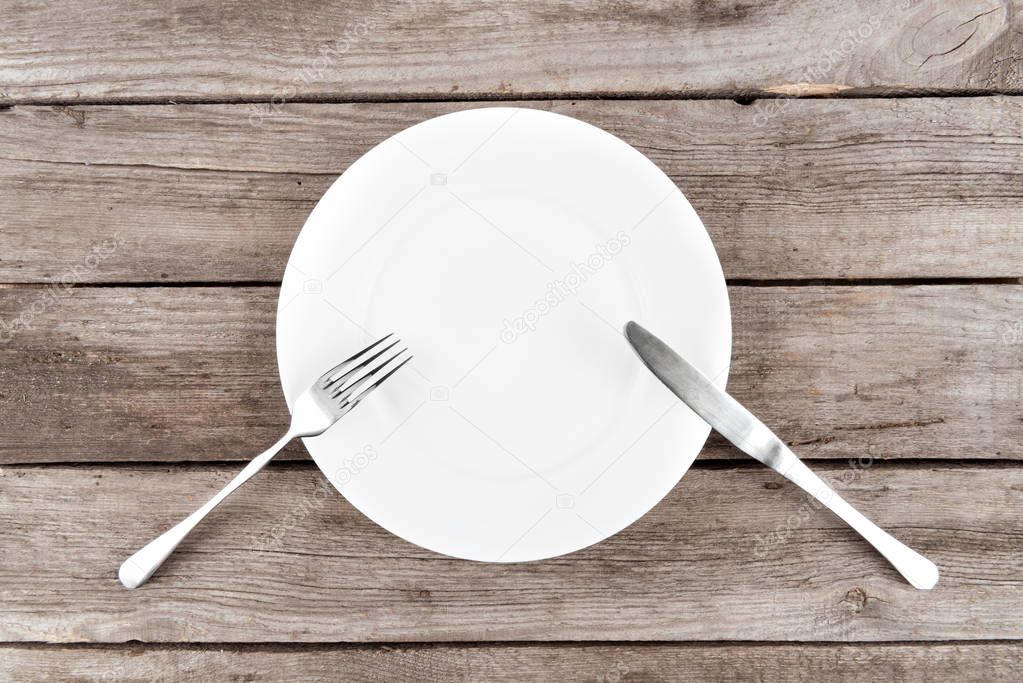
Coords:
pixel 331 397
pixel 751 436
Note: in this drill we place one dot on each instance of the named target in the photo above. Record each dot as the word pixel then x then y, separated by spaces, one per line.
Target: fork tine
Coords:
pixel 365 392
pixel 348 372
pixel 325 379
pixel 352 402
pixel 351 384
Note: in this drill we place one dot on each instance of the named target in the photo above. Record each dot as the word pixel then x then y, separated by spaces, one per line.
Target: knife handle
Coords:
pixel 918 570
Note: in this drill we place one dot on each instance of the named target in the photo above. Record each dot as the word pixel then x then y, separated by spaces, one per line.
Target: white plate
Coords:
pixel 508 248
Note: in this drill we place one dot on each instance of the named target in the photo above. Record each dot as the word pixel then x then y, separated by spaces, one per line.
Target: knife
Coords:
pixel 751 436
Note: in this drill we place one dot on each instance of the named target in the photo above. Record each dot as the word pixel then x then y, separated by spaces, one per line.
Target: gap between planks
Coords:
pixel 731 282
pixel 229 646
pixel 743 97
pixel 306 464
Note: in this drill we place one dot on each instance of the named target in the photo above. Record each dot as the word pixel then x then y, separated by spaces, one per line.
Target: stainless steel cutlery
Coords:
pixel 751 436
pixel 331 397
pixel 344 386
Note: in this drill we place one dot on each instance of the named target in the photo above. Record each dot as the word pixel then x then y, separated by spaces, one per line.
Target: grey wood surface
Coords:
pixel 967 662
pixel 857 165
pixel 729 554
pixel 189 373
pixel 789 189
pixel 129 51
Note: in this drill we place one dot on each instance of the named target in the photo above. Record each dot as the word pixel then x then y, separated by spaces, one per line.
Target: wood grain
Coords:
pixel 730 554
pixel 169 374
pixel 903 188
pixel 980 662
pixel 185 143
pixel 122 50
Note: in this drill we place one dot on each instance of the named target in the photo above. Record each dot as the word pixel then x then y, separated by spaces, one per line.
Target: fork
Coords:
pixel 334 394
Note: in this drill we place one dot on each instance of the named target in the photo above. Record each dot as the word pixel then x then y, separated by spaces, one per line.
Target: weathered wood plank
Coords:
pixel 186 373
pixel 730 554
pixel 789 190
pixel 981 662
pixel 121 50
pixel 128 374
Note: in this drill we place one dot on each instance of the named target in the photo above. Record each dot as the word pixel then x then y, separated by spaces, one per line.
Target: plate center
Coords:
pixel 516 291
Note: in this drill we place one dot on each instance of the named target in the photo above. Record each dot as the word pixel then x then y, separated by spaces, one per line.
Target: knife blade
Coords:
pixel 737 424
pixel 717 408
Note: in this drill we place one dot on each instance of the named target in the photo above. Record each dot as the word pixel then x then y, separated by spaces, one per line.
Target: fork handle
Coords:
pixel 137 569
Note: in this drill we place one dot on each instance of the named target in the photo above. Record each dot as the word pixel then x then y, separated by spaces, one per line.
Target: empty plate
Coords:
pixel 507 247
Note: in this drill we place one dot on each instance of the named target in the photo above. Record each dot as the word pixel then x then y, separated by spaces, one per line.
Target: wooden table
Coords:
pixel 859 166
